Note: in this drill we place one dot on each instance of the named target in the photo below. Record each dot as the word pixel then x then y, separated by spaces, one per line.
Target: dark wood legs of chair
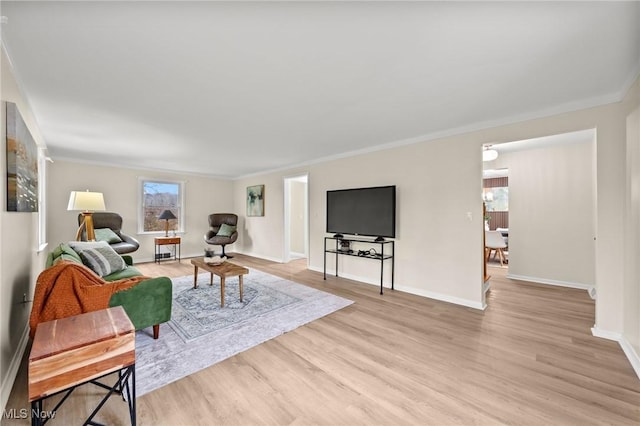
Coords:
pixel 156 331
pixel 224 254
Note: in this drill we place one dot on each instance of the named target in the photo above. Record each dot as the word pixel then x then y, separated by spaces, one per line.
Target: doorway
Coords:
pixel 552 199
pixel 296 217
pixel 495 195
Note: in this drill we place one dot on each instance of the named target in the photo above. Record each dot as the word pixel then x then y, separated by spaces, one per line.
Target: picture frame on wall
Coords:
pixel 255 200
pixel 22 163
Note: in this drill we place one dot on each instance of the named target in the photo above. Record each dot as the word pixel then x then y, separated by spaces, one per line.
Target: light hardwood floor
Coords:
pixel 528 359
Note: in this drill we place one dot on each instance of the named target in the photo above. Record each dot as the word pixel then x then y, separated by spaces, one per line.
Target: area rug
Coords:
pixel 201 333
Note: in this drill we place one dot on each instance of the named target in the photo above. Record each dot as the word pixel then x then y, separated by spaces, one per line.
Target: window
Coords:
pixel 42 199
pixel 495 192
pixel 157 196
pixel 496 198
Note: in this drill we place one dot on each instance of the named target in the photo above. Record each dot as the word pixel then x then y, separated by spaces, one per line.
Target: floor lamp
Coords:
pixel 86 202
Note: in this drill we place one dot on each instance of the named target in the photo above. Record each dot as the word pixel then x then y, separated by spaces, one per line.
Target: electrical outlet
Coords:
pixel 24 298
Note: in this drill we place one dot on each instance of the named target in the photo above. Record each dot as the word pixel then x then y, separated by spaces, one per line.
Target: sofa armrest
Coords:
pixel 147 303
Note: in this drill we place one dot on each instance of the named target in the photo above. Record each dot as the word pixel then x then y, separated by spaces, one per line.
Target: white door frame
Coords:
pixel 287 219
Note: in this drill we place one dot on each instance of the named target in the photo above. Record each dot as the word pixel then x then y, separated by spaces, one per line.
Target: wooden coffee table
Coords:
pixel 223 270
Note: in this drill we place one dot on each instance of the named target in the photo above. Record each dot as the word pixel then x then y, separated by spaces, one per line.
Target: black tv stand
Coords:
pixel 381 256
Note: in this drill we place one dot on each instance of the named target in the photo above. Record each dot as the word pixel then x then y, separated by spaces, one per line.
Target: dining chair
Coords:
pixel 495 242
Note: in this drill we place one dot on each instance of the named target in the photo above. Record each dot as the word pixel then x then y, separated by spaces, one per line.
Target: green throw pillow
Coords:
pixel 226 230
pixel 106 234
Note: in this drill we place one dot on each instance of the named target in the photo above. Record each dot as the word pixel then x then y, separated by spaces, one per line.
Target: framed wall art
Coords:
pixel 255 200
pixel 22 164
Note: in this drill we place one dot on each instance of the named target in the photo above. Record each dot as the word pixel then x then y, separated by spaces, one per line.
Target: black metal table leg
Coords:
pixel 122 387
pixel 393 257
pixel 325 259
pixel 36 410
pixel 118 387
pixel 381 266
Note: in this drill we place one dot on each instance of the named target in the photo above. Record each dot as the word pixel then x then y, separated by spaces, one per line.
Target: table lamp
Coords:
pixel 87 202
pixel 166 215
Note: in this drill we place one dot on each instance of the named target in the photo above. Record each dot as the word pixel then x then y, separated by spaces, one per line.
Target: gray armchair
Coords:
pixel 113 221
pixel 216 222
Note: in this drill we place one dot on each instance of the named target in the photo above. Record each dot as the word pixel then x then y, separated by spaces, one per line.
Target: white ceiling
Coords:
pixel 231 89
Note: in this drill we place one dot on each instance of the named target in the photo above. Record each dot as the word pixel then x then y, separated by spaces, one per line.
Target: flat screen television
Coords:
pixel 362 211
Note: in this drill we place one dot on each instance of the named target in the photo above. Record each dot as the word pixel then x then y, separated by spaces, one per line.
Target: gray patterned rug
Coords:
pixel 201 333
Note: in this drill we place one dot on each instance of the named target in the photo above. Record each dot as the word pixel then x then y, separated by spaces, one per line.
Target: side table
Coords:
pixel 73 351
pixel 161 241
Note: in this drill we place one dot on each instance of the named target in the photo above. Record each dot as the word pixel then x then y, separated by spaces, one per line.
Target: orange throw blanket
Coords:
pixel 68 288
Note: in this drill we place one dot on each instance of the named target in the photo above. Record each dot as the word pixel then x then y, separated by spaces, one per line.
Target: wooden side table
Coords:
pixel 72 351
pixel 161 241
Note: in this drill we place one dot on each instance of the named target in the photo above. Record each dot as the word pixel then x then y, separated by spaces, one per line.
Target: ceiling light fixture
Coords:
pixel 489 154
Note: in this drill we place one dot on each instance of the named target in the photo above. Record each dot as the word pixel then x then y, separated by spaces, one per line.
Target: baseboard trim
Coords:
pixel 486 286
pixel 259 256
pixel 185 256
pixel 626 346
pixel 558 283
pixel 606 334
pixel 412 290
pixel 14 366
pixel 443 297
pixel 363 280
pixel 631 354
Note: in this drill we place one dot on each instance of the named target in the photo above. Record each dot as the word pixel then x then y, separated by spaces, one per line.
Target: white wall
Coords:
pixel 20 261
pixel 261 236
pixel 631 334
pixel 297 203
pixel 551 216
pixel 439 255
pixel 203 196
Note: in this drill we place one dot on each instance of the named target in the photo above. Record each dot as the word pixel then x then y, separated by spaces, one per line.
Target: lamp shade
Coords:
pixel 167 214
pixel 86 201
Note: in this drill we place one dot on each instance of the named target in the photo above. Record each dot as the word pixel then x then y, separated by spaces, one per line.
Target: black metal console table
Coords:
pixel 341 251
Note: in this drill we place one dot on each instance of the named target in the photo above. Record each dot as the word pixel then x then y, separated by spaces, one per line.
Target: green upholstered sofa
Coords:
pixel 148 304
